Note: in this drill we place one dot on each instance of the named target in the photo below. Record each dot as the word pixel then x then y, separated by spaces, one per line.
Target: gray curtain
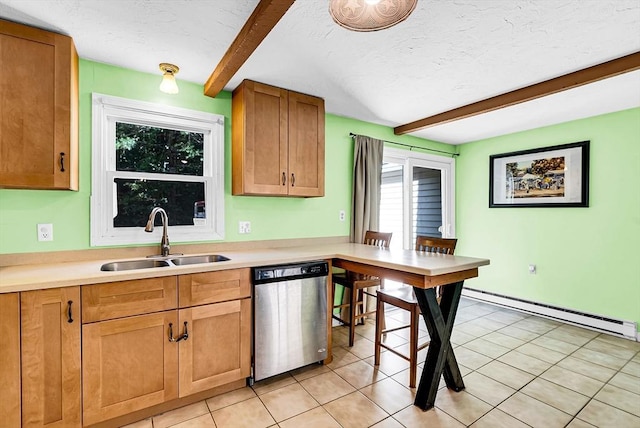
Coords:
pixel 365 207
pixel 367 177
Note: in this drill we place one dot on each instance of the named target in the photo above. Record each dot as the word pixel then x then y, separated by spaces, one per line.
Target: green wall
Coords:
pixel 587 258
pixel 271 218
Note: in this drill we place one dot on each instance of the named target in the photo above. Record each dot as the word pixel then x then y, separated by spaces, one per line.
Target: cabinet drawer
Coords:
pixel 212 287
pixel 125 298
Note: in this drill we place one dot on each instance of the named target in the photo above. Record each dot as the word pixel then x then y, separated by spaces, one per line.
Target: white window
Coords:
pixel 417 196
pixel 146 155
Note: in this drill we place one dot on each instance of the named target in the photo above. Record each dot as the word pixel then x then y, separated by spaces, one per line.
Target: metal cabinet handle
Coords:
pixel 61 161
pixel 184 336
pixel 293 180
pixel 69 313
pixel 284 178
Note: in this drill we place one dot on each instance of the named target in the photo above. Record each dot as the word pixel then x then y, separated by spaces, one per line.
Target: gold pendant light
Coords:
pixel 168 84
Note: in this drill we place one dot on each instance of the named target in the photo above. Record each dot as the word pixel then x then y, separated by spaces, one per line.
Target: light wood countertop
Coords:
pixel 62 274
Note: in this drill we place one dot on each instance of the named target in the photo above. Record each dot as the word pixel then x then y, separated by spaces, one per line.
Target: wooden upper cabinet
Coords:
pixel 38 109
pixel 306 145
pixel 51 389
pixel 259 139
pixel 278 142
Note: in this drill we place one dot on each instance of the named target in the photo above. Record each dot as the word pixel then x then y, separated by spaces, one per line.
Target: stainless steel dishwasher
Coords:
pixel 289 317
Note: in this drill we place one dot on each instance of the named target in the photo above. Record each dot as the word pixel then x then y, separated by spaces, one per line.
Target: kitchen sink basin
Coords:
pixel 134 264
pixel 193 260
pixel 153 263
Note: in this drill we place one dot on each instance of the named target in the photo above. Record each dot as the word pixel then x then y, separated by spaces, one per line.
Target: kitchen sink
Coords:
pixel 134 264
pixel 153 263
pixel 193 260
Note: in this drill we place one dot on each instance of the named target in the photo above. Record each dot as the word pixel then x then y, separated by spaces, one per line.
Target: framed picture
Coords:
pixel 556 176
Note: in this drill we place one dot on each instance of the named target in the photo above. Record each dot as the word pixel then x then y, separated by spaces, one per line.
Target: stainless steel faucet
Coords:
pixel 164 243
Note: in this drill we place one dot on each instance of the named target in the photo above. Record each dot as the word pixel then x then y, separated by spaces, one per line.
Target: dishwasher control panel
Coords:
pixel 292 271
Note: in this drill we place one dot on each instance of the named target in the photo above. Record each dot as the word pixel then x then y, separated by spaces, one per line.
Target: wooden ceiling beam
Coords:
pixel 585 76
pixel 264 17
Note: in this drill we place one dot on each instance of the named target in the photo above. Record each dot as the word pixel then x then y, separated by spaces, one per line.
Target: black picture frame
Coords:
pixel 555 176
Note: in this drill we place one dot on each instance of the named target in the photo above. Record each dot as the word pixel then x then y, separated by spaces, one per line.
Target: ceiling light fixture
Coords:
pixel 168 84
pixel 370 15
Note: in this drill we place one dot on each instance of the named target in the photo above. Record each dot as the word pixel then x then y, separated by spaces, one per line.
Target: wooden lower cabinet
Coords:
pixel 10 359
pixel 128 364
pixel 64 365
pixel 217 350
pixel 51 388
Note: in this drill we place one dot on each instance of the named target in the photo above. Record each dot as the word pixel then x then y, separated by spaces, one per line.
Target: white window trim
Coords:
pixel 408 159
pixel 106 110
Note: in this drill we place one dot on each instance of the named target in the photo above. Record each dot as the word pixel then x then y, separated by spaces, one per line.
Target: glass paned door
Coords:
pixel 416 196
pixel 426 213
pixel 391 202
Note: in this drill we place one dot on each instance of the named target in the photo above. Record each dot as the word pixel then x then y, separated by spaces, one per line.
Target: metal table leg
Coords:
pixel 440 358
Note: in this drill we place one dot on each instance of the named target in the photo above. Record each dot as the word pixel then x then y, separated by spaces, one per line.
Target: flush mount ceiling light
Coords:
pixel 370 15
pixel 168 84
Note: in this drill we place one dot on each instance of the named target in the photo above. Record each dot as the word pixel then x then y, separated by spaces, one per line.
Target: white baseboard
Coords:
pixel 622 328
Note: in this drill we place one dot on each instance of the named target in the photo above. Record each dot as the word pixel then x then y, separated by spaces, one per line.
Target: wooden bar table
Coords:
pixel 424 271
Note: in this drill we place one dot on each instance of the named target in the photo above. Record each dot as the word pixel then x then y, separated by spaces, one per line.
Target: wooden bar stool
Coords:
pixel 356 284
pixel 404 298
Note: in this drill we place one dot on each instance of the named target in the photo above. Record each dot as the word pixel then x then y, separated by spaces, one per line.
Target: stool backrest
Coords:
pixel 431 244
pixel 379 239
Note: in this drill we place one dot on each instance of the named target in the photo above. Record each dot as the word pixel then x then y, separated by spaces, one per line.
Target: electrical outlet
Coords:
pixel 342 215
pixel 532 269
pixel 45 232
pixel 244 227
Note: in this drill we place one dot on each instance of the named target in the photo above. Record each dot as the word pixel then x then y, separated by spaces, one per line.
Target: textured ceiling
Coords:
pixel 448 53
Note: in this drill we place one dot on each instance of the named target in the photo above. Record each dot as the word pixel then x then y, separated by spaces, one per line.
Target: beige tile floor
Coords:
pixel 519 371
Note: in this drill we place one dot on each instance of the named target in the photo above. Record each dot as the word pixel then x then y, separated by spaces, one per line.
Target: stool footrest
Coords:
pixel 389 330
pixel 390 349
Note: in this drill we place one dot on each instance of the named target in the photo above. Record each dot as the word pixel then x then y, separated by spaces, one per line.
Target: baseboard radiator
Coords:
pixel 627 329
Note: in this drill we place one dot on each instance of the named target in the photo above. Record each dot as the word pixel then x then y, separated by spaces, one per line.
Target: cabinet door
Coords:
pixel 259 133
pixel 128 364
pixel 38 109
pixel 218 348
pixel 50 321
pixel 213 287
pixel 306 145
pixel 10 359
